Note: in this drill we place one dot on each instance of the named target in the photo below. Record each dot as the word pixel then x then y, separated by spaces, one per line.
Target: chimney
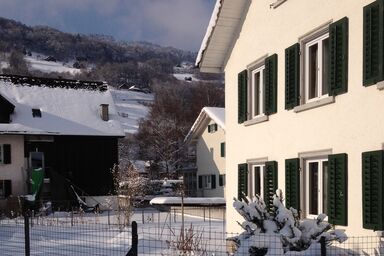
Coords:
pixel 104 113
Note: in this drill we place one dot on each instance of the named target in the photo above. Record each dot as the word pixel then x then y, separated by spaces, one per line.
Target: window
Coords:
pixel 321 70
pixel 258 87
pixel 316 186
pixel 5 188
pixel 222 180
pixel 212 128
pixel 316 68
pixel 257 92
pixel 256 180
pixel 36 112
pixel 207 181
pixel 5 153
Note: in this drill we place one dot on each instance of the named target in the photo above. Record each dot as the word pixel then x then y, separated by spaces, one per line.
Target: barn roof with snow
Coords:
pixel 206 115
pixel 51 110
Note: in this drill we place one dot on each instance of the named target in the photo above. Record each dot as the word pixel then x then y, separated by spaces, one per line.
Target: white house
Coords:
pixel 304 97
pixel 71 133
pixel 207 136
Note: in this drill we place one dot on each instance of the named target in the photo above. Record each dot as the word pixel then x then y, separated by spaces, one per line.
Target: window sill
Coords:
pixel 314 104
pixel 256 120
pixel 277 3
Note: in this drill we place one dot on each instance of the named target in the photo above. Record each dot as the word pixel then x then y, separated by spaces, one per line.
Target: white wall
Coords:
pixel 209 160
pixel 14 171
pixel 352 125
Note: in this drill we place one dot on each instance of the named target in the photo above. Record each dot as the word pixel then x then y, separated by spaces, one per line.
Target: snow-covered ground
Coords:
pixel 66 234
pixel 185 76
pixel 50 66
pixel 131 107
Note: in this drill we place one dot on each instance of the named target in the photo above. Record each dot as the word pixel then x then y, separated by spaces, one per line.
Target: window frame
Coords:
pixel 320 183
pixel 206 181
pixel 251 178
pixel 316 40
pixel 261 91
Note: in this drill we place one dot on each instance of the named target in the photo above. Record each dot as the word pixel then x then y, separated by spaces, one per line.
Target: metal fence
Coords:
pixel 199 232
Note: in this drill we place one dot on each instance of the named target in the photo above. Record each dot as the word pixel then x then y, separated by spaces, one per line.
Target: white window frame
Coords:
pixel 319 41
pixel 260 93
pixel 251 179
pixel 207 182
pixel 320 182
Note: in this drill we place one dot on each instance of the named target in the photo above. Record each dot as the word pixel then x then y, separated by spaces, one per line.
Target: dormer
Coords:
pixel 6 109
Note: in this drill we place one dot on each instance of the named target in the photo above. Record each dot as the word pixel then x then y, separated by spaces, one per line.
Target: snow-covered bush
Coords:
pixel 280 231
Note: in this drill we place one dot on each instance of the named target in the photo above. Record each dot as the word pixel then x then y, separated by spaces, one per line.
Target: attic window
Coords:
pixel 36 112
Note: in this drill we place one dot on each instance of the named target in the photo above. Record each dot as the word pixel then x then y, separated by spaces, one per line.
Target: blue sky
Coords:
pixel 178 23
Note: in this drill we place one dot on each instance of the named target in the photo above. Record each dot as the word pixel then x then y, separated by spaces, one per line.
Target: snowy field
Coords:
pixel 131 107
pixel 66 234
pixel 50 66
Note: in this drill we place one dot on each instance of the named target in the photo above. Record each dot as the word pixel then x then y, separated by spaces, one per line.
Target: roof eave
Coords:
pixel 216 46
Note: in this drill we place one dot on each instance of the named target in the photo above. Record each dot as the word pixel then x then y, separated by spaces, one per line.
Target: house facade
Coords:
pixel 207 137
pixel 71 133
pixel 304 84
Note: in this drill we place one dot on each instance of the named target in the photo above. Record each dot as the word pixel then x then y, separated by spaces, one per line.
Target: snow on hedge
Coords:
pixel 188 200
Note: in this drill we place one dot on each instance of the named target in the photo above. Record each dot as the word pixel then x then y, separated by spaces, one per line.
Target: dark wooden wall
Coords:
pixel 85 160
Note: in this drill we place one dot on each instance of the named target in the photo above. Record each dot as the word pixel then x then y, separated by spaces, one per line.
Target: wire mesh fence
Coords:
pixel 166 232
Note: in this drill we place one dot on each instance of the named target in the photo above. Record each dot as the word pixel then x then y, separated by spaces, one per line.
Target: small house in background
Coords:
pixel 207 138
pixel 68 128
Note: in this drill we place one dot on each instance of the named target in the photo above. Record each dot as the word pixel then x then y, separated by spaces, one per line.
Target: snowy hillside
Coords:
pixel 50 66
pixel 131 106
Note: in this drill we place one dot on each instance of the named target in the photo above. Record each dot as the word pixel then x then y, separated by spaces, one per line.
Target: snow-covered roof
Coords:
pixel 188 201
pixel 222 31
pixel 207 113
pixel 63 111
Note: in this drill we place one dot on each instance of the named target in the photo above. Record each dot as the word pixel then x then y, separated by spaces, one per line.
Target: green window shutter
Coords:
pixel 242 96
pixel 209 128
pixel 270 79
pixel 292 183
pixel 338 57
pixel 373 43
pixel 257 185
pixel 215 127
pixel 222 149
pixel 270 184
pixel 242 181
pixel 213 181
pixel 292 76
pixel 7 154
pixel 338 189
pixel 372 171
pixel 221 180
pixel 200 181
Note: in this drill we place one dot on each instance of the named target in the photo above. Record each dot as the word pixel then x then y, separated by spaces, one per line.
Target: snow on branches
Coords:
pixel 281 231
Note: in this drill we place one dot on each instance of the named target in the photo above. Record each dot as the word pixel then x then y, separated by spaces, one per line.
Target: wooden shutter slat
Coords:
pixel 373 43
pixel 270 83
pixel 292 76
pixel 292 183
pixel 270 183
pixel 372 177
pixel 338 189
pixel 338 57
pixel 242 96
pixel 242 180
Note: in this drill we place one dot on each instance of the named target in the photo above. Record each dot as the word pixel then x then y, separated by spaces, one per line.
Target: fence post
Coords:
pixel 26 235
pixel 135 240
pixel 322 246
